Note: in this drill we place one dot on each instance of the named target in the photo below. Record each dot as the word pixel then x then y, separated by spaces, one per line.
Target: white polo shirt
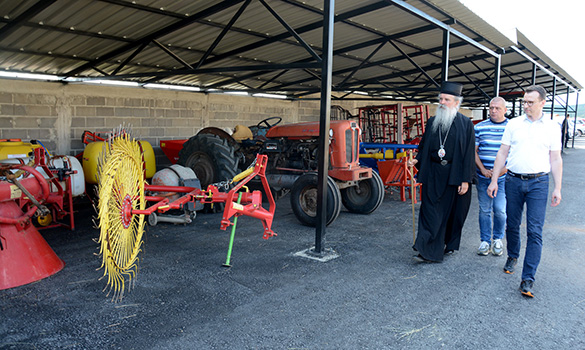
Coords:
pixel 530 144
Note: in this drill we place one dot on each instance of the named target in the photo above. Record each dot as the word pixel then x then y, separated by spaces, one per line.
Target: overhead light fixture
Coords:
pixel 112 82
pixel 243 93
pixel 171 87
pixel 269 95
pixel 30 76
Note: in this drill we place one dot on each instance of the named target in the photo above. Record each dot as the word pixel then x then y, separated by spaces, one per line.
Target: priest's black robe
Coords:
pixel 443 211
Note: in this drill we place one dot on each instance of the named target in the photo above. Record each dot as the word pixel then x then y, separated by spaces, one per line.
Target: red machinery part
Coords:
pixel 25 256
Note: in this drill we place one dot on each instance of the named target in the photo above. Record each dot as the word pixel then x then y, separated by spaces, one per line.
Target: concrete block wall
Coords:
pixel 58 114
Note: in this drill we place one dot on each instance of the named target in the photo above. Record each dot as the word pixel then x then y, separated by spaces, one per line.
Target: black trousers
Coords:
pixel 440 222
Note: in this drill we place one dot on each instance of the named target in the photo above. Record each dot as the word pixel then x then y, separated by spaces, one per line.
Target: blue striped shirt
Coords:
pixel 488 138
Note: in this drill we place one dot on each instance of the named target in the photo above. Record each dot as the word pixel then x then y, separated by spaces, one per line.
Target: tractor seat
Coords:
pixel 241 133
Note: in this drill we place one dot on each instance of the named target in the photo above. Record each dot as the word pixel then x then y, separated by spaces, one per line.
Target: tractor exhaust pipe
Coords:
pixel 279 181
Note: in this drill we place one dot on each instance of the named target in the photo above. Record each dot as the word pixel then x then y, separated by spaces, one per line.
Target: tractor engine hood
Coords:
pixel 299 131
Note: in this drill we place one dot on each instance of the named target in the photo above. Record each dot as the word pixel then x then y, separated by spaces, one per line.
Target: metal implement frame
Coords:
pixel 250 203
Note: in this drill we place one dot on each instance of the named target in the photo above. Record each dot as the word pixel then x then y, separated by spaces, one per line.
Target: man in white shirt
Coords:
pixel 532 146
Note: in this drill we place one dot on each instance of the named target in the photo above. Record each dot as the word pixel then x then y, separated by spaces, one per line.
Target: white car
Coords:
pixel 579 130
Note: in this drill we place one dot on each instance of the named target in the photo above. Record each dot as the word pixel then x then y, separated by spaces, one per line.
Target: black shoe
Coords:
pixel 510 264
pixel 419 258
pixel 526 288
pixel 449 252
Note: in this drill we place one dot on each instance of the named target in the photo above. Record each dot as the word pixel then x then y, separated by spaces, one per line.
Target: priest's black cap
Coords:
pixel 451 88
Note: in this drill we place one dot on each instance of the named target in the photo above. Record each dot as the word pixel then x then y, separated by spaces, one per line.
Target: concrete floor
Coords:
pixel 373 296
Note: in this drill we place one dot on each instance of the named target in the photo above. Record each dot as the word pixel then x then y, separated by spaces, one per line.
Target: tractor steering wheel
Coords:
pixel 266 122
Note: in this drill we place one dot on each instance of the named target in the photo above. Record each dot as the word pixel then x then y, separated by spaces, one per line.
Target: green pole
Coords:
pixel 233 234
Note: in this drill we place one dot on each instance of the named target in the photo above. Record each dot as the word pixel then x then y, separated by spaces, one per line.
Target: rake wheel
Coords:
pixel 121 190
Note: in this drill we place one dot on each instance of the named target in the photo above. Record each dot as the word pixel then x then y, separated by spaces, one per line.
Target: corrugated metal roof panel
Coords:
pixel 85 37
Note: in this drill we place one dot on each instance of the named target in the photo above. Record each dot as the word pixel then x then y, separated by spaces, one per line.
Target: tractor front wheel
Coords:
pixel 303 199
pixel 365 197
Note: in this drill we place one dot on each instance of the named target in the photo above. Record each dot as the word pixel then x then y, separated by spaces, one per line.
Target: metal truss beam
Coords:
pixel 25 16
pixel 164 31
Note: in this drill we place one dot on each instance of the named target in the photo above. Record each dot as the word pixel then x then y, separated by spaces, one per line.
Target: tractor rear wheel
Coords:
pixel 303 199
pixel 365 197
pixel 211 158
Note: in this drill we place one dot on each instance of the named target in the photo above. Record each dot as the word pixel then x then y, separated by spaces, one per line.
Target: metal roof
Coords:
pixel 382 48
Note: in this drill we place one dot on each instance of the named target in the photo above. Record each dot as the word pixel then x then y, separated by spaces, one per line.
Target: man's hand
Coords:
pixel 487 173
pixel 492 189
pixel 556 198
pixel 461 190
pixel 412 162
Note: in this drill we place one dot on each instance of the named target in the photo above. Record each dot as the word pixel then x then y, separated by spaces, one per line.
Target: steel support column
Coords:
pixel 565 121
pixel 554 94
pixel 325 107
pixel 445 68
pixel 534 74
pixel 497 76
pixel 575 120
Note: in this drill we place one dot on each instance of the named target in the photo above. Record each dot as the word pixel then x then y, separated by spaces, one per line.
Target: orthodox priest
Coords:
pixel 445 164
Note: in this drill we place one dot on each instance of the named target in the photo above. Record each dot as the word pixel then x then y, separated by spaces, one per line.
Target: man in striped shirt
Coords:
pixel 488 136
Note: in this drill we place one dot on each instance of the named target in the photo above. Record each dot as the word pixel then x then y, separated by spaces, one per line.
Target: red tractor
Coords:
pixel 216 156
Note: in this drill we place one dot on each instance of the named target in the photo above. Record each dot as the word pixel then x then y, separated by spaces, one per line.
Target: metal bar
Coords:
pixel 164 31
pixel 472 81
pixel 362 64
pixel 134 5
pixel 370 43
pixel 438 9
pixel 554 94
pixel 129 58
pixel 413 71
pixel 325 107
pixel 32 11
pixel 413 63
pixel 223 33
pixel 303 29
pixel 512 78
pixel 272 79
pixel 413 10
pixel 575 120
pixel 497 77
pixel 533 73
pixel 445 65
pixel 291 31
pixel 567 103
pixel 232 236
pixel 268 67
pixel 68 30
pixel 172 54
pixel 479 70
pixel 541 67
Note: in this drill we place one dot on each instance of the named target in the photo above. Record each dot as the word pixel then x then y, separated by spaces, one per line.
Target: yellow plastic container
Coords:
pixel 16 149
pixel 93 151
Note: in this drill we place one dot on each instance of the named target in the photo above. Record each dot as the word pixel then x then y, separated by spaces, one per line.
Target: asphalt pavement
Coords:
pixel 372 296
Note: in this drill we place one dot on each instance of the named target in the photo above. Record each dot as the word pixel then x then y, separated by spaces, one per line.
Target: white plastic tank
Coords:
pixel 77 180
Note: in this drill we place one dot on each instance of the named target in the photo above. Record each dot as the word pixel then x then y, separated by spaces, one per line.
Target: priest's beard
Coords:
pixel 444 117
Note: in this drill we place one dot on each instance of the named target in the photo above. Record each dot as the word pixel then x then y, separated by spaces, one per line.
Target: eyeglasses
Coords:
pixel 528 103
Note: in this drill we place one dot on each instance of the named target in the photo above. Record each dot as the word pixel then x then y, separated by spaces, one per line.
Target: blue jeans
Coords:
pixel 533 192
pixel 487 205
